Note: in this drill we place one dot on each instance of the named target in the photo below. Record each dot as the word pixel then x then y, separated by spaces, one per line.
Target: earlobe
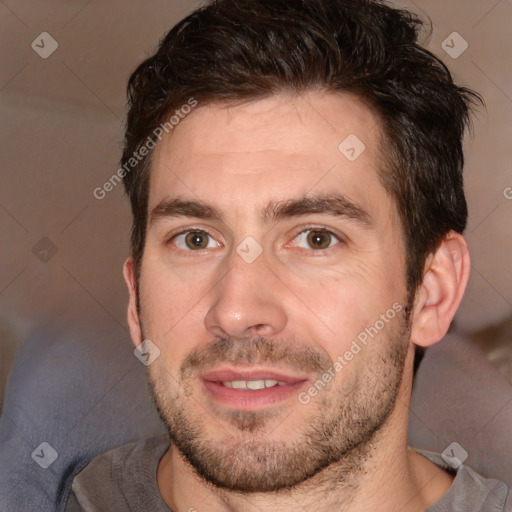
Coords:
pixel 132 313
pixel 439 295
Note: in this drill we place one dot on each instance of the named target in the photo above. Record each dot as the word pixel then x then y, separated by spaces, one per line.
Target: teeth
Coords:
pixel 256 384
pixel 252 384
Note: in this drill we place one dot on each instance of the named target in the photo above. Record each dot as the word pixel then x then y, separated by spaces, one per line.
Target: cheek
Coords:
pixel 341 305
pixel 172 309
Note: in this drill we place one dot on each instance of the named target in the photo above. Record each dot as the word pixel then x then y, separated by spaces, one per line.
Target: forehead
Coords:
pixel 245 155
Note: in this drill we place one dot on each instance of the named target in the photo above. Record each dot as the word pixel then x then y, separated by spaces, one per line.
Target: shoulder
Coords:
pixel 112 481
pixel 470 491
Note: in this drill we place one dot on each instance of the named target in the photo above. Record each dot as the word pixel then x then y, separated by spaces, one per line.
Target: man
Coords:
pixel 295 175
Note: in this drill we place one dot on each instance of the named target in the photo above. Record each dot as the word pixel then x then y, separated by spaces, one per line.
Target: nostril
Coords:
pixel 259 328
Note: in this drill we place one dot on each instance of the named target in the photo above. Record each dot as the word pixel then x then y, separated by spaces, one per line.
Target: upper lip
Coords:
pixel 227 375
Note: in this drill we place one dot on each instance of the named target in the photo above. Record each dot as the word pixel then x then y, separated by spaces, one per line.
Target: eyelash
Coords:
pixel 320 229
pixel 340 239
pixel 185 231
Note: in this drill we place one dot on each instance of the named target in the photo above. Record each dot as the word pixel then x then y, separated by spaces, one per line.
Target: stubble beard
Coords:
pixel 337 433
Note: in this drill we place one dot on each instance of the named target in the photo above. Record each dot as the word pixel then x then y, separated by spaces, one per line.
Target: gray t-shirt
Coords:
pixel 124 480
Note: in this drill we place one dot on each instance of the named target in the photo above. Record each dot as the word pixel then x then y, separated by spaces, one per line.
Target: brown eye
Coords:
pixel 196 240
pixel 319 239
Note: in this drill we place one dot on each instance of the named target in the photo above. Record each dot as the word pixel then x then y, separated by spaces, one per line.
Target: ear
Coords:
pixel 439 295
pixel 133 314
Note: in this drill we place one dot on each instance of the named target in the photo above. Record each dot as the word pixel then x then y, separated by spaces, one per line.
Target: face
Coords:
pixel 273 284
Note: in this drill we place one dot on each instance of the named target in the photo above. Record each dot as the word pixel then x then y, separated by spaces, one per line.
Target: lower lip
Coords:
pixel 251 400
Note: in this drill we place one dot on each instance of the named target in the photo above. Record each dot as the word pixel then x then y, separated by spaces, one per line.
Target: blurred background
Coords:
pixel 64 70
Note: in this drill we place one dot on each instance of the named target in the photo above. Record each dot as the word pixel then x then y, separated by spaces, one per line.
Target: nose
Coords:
pixel 248 301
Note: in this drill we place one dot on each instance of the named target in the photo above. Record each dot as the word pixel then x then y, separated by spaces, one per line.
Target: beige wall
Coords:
pixel 62 123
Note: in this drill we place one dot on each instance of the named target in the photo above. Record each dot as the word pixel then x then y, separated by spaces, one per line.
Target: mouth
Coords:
pixel 250 390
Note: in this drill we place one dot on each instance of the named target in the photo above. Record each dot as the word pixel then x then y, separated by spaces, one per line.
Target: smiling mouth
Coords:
pixel 250 390
pixel 253 379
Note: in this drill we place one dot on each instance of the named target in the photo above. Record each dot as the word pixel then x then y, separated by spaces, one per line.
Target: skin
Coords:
pixel 313 302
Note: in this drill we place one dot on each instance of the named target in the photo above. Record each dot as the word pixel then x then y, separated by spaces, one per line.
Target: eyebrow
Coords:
pixel 335 205
pixel 184 208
